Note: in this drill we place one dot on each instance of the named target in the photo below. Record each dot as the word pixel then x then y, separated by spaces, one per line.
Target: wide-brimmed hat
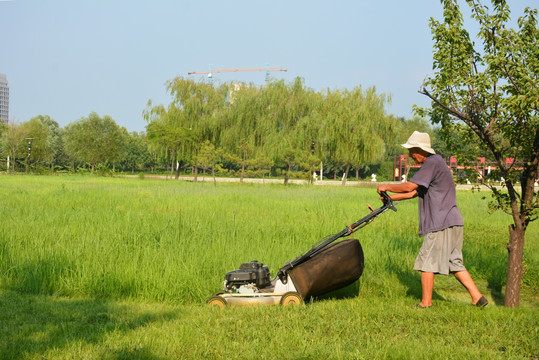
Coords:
pixel 419 140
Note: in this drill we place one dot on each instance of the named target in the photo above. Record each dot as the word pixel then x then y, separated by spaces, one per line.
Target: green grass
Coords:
pixel 44 327
pixel 109 268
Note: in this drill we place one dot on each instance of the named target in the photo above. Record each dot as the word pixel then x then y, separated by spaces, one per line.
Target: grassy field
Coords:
pixel 109 268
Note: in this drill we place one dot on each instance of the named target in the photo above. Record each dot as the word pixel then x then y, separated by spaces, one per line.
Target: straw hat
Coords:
pixel 419 140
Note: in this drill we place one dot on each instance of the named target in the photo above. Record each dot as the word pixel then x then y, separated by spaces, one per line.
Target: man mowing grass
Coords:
pixel 440 221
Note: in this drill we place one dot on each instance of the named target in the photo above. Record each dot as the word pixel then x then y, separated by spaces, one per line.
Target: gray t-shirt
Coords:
pixel 437 196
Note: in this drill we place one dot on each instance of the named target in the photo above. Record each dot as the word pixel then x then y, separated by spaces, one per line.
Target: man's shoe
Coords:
pixel 482 302
pixel 418 305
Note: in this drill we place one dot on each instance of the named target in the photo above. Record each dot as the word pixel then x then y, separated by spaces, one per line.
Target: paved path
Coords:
pixel 291 181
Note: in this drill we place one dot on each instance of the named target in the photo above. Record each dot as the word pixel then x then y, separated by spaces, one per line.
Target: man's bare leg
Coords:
pixel 427 285
pixel 465 279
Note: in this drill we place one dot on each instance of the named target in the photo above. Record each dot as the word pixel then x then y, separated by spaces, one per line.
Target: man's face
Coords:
pixel 417 154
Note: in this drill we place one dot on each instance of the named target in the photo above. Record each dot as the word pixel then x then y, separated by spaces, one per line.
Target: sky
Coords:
pixel 67 58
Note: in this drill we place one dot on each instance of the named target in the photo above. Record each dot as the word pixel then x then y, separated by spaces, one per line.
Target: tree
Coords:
pixel 290 125
pixel 55 141
pixel 169 134
pixel 356 127
pixel 241 133
pixel 492 94
pixel 136 151
pixel 259 166
pixel 243 148
pixel 200 104
pixel 209 158
pixel 38 135
pixel 13 142
pixel 94 140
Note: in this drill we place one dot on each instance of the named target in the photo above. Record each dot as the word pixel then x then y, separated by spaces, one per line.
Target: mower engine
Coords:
pixel 249 278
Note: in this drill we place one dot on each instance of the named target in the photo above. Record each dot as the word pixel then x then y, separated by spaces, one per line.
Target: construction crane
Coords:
pixel 215 71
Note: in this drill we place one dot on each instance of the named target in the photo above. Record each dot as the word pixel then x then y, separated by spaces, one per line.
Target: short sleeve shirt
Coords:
pixel 437 196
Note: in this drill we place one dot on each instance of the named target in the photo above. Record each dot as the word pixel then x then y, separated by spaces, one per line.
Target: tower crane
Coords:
pixel 215 71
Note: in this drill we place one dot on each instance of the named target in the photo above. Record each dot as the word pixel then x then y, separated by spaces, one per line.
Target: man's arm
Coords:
pixel 403 191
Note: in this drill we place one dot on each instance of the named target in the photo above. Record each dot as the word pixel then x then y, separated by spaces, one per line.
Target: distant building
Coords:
pixel 4 99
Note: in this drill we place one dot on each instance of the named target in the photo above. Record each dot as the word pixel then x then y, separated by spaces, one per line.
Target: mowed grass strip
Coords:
pixel 52 327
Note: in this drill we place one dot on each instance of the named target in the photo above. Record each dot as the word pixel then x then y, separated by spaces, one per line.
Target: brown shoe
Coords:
pixel 482 302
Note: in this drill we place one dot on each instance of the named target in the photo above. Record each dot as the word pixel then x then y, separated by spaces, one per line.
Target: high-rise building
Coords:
pixel 4 99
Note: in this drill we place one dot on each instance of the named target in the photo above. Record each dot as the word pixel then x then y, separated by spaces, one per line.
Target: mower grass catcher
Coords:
pixel 326 267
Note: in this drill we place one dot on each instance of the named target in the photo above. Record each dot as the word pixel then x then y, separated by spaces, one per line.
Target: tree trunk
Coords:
pixel 287 174
pixel 345 176
pixel 243 157
pixel 195 179
pixel 13 149
pixel 178 171
pixel 517 232
pixel 515 269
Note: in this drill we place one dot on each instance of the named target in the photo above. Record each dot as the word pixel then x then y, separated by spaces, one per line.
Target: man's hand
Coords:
pixel 403 191
pixel 380 189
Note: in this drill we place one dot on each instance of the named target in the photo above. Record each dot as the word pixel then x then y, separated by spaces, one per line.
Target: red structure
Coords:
pixel 402 166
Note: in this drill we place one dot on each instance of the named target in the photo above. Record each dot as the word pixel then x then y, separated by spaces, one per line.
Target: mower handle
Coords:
pixel 349 230
pixel 388 203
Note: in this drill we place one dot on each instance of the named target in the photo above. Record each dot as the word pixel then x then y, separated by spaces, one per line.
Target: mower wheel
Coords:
pixel 291 298
pixel 217 301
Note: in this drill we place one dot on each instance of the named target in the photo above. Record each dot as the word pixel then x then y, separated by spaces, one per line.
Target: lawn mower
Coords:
pixel 327 266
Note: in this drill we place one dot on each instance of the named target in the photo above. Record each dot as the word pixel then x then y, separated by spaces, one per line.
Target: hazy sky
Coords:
pixel 68 58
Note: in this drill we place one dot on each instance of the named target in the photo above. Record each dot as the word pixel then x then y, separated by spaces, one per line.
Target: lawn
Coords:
pixel 111 268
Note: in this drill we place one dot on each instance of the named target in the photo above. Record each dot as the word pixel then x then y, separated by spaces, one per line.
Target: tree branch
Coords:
pixel 485 136
pixel 458 114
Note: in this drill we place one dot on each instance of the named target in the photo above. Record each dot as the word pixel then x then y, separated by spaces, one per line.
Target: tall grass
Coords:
pixel 174 241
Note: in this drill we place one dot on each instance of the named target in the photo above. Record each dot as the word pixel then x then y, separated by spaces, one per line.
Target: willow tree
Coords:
pixel 492 93
pixel 200 105
pixel 241 135
pixel 290 138
pixel 169 134
pixel 355 127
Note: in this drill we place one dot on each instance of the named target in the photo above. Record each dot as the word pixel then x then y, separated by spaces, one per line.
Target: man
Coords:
pixel 440 221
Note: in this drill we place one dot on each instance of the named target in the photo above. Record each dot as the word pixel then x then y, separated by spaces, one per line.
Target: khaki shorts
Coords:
pixel 441 252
